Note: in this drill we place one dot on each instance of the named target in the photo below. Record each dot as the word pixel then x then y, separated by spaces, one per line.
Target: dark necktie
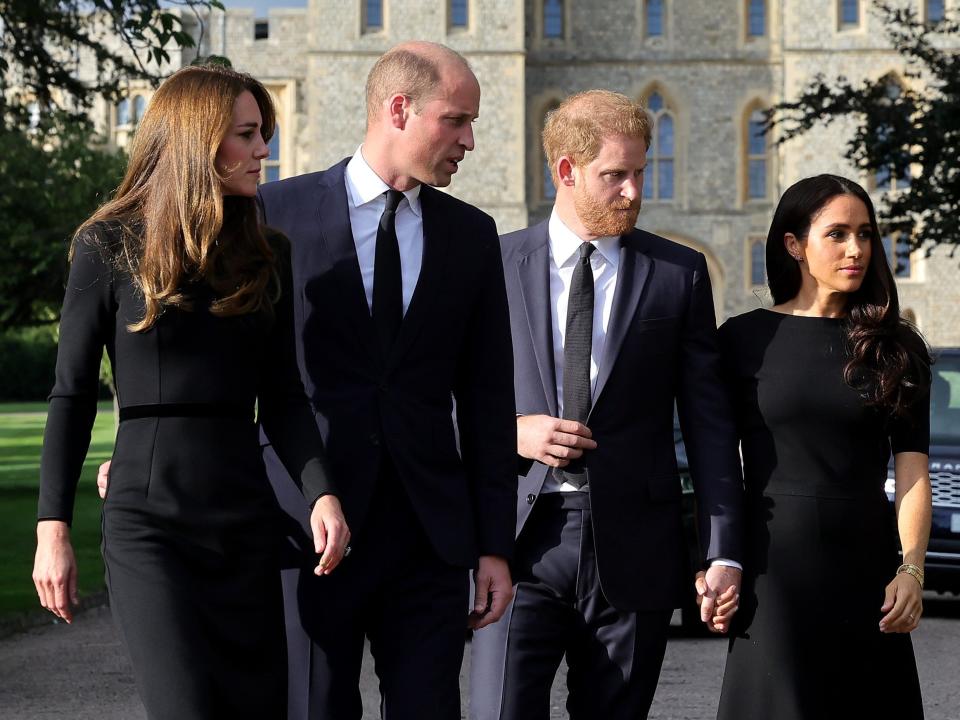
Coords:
pixel 387 281
pixel 577 344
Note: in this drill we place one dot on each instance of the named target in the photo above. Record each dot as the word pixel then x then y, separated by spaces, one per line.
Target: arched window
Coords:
pixel 553 18
pixel 139 105
pixel 271 166
pixel 888 178
pixel 756 155
pixel 758 275
pixel 756 18
pixel 123 112
pixel 659 180
pixel 654 18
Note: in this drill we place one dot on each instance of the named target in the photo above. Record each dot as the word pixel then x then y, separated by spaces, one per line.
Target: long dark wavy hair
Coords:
pixel 889 361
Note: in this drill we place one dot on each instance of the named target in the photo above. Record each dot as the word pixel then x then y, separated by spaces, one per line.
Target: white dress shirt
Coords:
pixel 605 262
pixel 366 198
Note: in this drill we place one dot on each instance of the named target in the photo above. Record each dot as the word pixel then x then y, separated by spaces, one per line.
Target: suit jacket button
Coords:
pixel 375 439
pixel 530 498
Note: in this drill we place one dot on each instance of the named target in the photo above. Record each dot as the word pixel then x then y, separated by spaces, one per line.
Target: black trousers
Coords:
pixel 394 590
pixel 559 609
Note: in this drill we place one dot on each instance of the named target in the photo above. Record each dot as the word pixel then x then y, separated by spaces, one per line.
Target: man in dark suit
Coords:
pixel 401 312
pixel 611 326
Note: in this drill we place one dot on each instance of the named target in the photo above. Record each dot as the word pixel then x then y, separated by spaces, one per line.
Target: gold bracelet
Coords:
pixel 911 569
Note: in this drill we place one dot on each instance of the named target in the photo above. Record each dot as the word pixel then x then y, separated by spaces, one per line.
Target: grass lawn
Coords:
pixel 21 437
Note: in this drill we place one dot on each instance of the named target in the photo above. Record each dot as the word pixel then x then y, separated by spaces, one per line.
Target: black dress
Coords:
pixel 820 536
pixel 190 524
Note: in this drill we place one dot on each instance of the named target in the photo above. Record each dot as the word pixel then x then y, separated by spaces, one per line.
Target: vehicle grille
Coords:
pixel 946 489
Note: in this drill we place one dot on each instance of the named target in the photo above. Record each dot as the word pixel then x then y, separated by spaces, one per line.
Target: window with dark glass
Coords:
pixel 898 254
pixel 654 17
pixel 139 105
pixel 261 29
pixel 373 15
pixel 552 18
pixel 756 18
pixel 271 165
pixel 459 13
pixel 935 11
pixel 849 12
pixel 658 181
pixel 548 189
pixel 123 112
pixel 756 156
pixel 757 262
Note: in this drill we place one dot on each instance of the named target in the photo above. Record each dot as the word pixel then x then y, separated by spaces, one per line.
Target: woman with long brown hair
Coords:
pixel 192 299
pixel 825 385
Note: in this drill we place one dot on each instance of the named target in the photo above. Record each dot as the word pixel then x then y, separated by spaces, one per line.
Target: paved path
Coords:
pixel 80 672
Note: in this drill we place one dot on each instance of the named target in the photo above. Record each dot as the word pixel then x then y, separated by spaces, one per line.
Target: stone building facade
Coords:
pixel 704 68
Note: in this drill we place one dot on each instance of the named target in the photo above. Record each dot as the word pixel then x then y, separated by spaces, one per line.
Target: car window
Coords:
pixel 945 401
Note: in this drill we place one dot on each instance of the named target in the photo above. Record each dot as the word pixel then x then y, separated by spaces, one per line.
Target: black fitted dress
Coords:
pixel 190 524
pixel 820 536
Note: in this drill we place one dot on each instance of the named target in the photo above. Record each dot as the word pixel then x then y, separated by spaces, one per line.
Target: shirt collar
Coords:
pixel 364 185
pixel 565 244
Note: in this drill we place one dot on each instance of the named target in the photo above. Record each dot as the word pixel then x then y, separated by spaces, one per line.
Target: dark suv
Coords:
pixel 943 553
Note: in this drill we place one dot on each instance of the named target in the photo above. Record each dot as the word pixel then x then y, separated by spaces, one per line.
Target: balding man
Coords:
pixel 611 326
pixel 401 312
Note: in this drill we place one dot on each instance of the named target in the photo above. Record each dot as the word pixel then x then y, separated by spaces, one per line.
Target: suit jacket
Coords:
pixel 453 345
pixel 660 348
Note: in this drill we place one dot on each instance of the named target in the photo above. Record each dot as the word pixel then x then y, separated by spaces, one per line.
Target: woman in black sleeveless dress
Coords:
pixel 825 385
pixel 192 299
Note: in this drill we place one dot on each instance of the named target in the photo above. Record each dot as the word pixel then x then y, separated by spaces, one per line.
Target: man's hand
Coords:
pixel 103 479
pixel 552 441
pixel 55 569
pixel 330 533
pixel 494 591
pixel 718 595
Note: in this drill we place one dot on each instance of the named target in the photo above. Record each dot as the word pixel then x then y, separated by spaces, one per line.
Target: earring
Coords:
pixel 797 258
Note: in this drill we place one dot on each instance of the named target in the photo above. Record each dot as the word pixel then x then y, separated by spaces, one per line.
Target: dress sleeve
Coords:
pixel 86 321
pixel 285 412
pixel 911 431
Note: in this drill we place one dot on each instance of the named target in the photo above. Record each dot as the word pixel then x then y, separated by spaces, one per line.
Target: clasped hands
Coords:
pixel 555 442
pixel 718 595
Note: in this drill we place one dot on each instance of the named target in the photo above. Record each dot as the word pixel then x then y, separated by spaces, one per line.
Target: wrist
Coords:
pixel 53 530
pixel 915 571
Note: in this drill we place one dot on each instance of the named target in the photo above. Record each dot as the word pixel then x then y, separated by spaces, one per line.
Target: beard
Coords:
pixel 605 219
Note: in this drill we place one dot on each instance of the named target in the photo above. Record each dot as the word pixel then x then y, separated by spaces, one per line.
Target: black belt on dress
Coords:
pixel 209 410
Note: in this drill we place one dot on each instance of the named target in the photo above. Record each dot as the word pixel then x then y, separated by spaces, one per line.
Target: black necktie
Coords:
pixel 577 344
pixel 387 281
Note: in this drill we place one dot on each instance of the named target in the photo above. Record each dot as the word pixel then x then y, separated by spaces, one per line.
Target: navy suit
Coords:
pixel 660 349
pixel 421 509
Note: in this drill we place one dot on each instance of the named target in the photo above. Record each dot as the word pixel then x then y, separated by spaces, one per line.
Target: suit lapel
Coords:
pixel 632 278
pixel 333 219
pixel 533 270
pixel 437 235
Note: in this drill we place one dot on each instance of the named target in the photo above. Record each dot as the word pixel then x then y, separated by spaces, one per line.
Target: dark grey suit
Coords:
pixel 660 349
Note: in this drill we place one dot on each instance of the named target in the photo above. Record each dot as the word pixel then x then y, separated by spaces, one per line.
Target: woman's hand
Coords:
pixel 902 605
pixel 55 569
pixel 330 533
